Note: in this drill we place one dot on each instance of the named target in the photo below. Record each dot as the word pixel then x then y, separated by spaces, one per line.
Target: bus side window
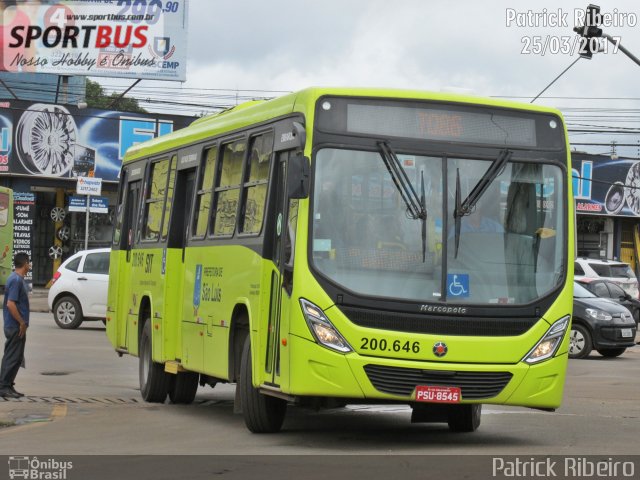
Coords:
pixel 227 194
pixel 131 213
pixel 117 230
pixel 256 180
pixel 290 246
pixel 154 202
pixel 169 197
pixel 203 198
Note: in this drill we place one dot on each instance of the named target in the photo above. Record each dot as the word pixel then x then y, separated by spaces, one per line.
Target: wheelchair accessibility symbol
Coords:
pixel 457 285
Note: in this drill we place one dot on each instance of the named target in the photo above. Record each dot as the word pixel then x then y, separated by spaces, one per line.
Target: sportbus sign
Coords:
pixel 137 39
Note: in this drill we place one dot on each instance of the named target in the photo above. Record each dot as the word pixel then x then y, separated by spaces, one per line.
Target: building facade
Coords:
pixel 607 201
pixel 44 149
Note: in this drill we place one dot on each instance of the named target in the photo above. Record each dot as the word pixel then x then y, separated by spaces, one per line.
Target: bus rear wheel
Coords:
pixel 262 414
pixel 183 387
pixel 154 381
pixel 464 418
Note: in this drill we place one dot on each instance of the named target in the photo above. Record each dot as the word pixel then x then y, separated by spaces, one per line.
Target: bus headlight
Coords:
pixel 548 345
pixel 322 329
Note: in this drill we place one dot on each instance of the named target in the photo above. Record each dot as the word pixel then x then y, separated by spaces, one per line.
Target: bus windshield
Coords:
pixel 511 245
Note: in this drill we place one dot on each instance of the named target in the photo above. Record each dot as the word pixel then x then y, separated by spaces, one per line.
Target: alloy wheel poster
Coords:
pixel 49 140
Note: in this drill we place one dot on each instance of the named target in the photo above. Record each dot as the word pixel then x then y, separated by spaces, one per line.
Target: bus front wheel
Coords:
pixel 464 418
pixel 262 414
pixel 154 381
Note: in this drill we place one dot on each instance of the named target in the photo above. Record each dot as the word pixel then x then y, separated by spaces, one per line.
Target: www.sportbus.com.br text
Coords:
pixel 111 17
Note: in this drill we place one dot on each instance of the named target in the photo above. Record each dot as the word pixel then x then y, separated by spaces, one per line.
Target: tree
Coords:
pixel 96 98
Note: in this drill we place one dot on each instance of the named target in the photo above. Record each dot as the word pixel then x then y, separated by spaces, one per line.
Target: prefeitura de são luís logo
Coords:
pixel 38 469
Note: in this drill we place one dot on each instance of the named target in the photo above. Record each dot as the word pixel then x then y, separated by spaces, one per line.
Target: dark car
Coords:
pixel 599 323
pixel 607 289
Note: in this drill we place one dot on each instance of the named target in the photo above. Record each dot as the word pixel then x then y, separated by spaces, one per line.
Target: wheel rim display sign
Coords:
pixel 606 186
pixel 62 141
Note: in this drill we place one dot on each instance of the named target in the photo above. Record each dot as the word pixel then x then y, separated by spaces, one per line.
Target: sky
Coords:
pixel 466 46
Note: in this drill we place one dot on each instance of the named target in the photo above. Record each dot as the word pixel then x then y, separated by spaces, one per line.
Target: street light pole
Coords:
pixel 86 225
pixel 621 48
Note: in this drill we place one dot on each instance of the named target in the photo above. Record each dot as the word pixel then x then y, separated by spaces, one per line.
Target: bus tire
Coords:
pixel 154 381
pixel 465 418
pixel 183 387
pixel 67 312
pixel 262 413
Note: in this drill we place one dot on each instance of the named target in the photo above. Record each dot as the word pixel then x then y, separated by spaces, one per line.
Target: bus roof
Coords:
pixel 257 111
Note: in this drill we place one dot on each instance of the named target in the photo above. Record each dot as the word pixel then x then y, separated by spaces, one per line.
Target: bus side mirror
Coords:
pixel 298 177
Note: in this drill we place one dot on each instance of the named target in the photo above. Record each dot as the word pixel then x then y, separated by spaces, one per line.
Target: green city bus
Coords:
pixel 338 246
pixel 6 234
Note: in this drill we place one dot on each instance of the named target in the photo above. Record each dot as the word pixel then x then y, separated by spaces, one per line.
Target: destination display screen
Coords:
pixel 442 123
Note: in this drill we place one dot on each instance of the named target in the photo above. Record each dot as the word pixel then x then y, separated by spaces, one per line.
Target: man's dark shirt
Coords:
pixel 16 290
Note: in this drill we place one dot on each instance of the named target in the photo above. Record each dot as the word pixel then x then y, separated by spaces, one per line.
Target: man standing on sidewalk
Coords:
pixel 16 320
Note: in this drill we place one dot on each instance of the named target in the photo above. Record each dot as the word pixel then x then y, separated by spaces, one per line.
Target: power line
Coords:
pixel 595 144
pixel 555 79
pixel 603 132
pixel 603 182
pixel 569 98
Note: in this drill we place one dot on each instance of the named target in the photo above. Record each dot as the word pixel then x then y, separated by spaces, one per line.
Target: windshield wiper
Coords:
pixel 466 206
pixel 416 206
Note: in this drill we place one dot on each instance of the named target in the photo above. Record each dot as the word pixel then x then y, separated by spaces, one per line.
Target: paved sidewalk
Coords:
pixel 37 299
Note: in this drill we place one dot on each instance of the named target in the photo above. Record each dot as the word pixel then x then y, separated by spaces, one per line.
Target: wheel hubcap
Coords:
pixel 66 313
pixel 576 342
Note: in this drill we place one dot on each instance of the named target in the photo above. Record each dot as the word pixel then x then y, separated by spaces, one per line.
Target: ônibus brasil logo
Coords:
pixel 37 469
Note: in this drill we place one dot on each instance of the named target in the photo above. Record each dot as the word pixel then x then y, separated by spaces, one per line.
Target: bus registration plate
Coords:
pixel 427 393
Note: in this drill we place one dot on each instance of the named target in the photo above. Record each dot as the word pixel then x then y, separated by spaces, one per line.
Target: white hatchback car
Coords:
pixel 616 272
pixel 79 288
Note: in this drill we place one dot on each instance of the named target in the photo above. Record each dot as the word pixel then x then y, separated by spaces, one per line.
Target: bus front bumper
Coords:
pixel 318 371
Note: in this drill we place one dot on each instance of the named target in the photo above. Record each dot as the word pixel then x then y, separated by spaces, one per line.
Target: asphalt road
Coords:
pixel 83 399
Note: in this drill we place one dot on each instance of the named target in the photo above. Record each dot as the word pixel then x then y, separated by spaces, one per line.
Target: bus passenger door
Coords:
pixel 189 333
pixel 280 279
pixel 129 230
